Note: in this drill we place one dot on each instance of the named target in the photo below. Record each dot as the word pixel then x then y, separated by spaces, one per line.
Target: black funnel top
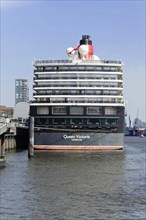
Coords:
pixel 85 40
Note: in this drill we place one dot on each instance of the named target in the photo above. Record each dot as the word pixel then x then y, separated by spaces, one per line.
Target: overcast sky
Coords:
pixel 45 29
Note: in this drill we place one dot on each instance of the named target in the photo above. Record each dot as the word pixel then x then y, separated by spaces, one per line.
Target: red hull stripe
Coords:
pixel 48 147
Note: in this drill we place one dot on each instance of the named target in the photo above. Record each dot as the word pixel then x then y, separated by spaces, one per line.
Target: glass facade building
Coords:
pixel 21 90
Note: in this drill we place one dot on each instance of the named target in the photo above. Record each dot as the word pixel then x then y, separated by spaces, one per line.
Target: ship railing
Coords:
pixel 102 61
pixel 77 70
pixel 81 86
pixel 51 61
pixel 72 94
pixel 77 61
pixel 71 101
pixel 75 77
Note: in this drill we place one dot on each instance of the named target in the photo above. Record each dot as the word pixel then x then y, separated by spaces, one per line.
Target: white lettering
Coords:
pixel 76 137
pixel 68 137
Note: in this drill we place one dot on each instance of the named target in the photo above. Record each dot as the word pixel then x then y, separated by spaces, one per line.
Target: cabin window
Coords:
pixel 76 110
pixel 110 121
pixel 59 110
pixel 41 121
pixel 73 67
pixel 58 121
pixel 81 68
pixel 42 110
pixel 90 67
pixel 94 110
pixel 76 121
pixel 64 68
pixel 93 121
pixel 110 111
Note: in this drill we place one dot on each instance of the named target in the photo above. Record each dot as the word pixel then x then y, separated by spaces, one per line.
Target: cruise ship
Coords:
pixel 78 103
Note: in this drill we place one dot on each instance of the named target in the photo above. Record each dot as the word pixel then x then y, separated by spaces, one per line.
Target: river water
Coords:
pixel 84 185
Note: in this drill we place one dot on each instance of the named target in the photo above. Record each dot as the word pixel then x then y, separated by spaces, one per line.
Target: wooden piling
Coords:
pixel 31 138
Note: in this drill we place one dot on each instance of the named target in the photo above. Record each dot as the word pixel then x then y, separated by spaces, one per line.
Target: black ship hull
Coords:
pixel 78 140
pixel 100 136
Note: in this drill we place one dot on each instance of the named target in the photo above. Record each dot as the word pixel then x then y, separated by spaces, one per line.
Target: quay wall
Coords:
pixel 14 141
pixel 7 143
